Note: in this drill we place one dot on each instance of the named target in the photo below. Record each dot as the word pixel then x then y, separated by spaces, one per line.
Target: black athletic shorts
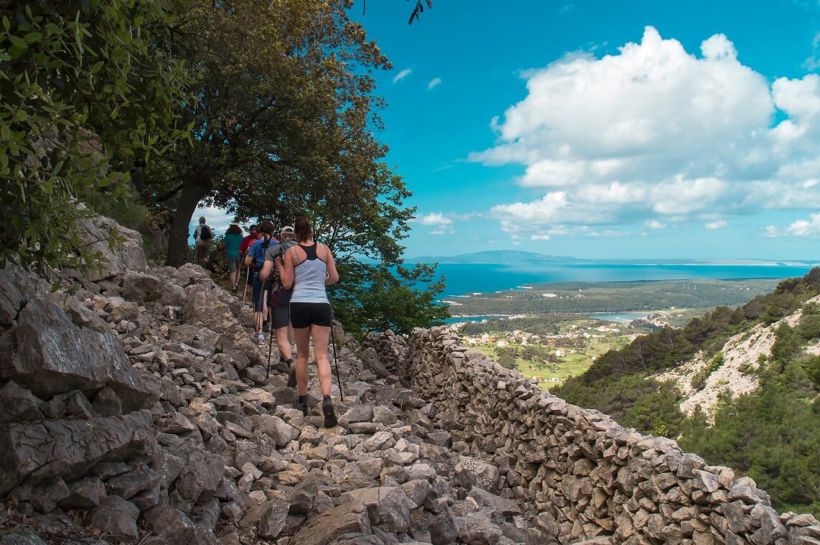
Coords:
pixel 307 314
pixel 281 316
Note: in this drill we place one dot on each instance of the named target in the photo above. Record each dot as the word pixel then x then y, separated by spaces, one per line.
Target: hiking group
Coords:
pixel 286 278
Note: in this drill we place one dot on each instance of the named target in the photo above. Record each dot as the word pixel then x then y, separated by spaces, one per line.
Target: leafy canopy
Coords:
pixel 85 91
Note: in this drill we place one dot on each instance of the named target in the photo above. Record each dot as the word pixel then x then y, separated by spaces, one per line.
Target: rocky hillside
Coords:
pixel 734 371
pixel 135 409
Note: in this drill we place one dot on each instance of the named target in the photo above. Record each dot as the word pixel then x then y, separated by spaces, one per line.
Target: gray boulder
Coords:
pixel 50 355
pixel 62 448
pixel 18 404
pixel 387 506
pixel 84 494
pixel 273 520
pixel 201 475
pixel 117 517
pixel 348 518
pixel 124 254
pixel 133 482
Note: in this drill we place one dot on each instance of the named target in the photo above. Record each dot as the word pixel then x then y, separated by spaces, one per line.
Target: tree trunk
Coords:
pixel 194 190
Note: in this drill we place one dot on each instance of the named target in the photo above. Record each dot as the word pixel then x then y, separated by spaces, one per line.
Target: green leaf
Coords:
pixel 18 42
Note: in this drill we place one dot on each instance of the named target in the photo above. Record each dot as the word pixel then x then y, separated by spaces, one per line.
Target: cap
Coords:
pixel 287 230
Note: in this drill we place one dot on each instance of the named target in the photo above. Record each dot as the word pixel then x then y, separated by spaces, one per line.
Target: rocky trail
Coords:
pixel 134 408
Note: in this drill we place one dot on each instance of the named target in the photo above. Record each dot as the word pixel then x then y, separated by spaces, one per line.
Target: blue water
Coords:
pixel 466 278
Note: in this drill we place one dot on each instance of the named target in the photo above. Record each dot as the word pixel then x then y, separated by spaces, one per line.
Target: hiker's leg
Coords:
pixel 321 335
pixel 302 348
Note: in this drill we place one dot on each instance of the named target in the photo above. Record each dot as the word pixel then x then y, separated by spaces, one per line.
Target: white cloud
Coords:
pixel 655 130
pixel 803 228
pixel 655 224
pixel 718 224
pixel 441 224
pixel 435 218
pixel 799 228
pixel 401 75
pixel 433 83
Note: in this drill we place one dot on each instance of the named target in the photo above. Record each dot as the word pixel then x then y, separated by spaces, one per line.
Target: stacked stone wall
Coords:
pixel 587 477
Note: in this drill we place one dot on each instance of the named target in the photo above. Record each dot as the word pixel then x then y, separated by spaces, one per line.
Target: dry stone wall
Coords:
pixel 585 477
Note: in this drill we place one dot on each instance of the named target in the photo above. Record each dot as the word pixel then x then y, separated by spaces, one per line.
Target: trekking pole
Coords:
pixel 335 360
pixel 270 342
pixel 245 287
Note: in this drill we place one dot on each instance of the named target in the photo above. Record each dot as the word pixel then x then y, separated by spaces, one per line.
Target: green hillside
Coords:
pixel 773 434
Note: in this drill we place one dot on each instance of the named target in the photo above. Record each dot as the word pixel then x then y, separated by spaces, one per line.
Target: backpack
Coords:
pixel 205 233
pixel 279 253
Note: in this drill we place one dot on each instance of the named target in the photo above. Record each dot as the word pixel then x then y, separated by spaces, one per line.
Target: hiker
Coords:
pixel 233 240
pixel 308 268
pixel 254 260
pixel 280 298
pixel 253 235
pixel 202 239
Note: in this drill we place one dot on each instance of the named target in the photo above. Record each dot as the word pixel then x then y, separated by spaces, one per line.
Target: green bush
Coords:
pixel 86 93
pixel 700 378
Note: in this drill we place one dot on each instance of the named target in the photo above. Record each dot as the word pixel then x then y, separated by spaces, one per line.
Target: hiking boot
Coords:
pixel 330 415
pixel 266 327
pixel 260 338
pixel 302 405
pixel 292 375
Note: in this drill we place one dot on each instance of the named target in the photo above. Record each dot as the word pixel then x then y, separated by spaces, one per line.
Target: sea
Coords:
pixel 469 278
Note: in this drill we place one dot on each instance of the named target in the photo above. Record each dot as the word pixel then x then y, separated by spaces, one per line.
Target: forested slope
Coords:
pixel 772 434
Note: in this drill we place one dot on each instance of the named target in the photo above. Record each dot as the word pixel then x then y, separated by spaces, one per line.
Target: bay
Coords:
pixel 467 278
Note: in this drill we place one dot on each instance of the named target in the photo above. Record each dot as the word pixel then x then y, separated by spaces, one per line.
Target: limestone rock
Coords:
pixel 474 472
pixel 273 520
pixel 348 518
pixel 17 404
pixel 126 254
pixel 387 506
pixel 64 447
pixel 117 517
pixel 84 494
pixel 50 355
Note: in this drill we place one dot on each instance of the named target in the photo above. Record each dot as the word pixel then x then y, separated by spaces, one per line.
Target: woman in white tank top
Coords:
pixel 308 268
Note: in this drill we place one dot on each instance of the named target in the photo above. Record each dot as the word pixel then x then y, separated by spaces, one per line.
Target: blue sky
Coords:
pixel 606 129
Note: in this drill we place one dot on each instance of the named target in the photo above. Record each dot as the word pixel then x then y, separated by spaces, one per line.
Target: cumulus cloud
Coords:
pixel 655 224
pixel 435 218
pixel 799 228
pixel 433 83
pixel 717 224
pixel 402 74
pixel 441 224
pixel 654 130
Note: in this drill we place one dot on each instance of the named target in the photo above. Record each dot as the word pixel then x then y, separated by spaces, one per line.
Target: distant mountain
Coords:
pixel 494 256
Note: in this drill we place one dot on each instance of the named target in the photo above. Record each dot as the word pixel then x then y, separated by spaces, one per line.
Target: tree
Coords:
pixel 86 93
pixel 375 297
pixel 282 105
